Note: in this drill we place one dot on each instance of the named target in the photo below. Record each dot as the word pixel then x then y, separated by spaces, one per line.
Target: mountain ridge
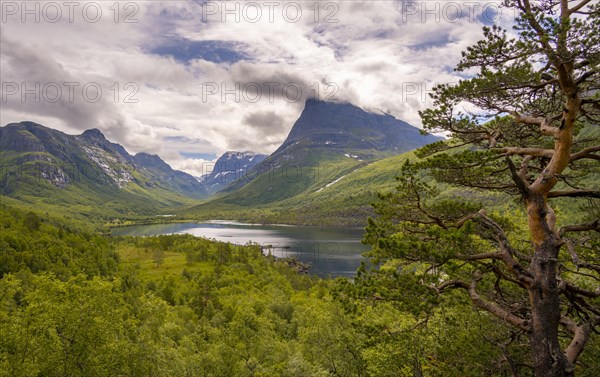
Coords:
pixel 325 146
pixel 47 140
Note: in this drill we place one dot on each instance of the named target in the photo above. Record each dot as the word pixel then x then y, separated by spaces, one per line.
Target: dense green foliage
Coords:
pixel 38 244
pixel 180 305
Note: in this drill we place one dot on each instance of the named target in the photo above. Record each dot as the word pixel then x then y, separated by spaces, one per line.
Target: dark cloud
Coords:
pixel 374 67
pixel 265 122
pixel 436 41
pixel 55 92
pixel 279 84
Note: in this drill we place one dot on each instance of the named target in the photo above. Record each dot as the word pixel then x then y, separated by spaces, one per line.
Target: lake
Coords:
pixel 330 251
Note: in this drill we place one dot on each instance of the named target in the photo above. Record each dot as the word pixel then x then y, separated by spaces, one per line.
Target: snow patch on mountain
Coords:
pixel 331 183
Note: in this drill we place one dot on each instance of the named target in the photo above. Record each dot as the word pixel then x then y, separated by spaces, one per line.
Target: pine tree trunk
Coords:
pixel 548 357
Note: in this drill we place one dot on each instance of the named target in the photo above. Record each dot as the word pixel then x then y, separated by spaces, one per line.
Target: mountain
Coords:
pixel 46 166
pixel 228 168
pixel 339 202
pixel 347 201
pixel 326 143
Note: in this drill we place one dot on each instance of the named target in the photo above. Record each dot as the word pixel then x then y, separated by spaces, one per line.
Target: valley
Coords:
pixel 330 144
pixel 335 189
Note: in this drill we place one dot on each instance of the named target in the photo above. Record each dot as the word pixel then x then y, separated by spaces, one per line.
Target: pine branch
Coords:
pixel 586 153
pixel 593 225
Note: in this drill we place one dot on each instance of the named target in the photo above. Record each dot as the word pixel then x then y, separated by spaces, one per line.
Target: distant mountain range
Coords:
pixel 87 174
pixel 60 159
pixel 230 167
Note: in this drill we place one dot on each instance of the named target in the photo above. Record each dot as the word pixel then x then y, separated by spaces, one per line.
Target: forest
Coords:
pixel 75 303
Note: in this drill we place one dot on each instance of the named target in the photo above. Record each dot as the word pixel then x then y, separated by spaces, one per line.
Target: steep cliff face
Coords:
pixel 349 129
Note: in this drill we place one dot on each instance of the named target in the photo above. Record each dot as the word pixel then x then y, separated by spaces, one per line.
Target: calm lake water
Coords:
pixel 330 251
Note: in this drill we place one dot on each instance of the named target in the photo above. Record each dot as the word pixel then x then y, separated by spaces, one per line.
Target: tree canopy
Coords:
pixel 524 125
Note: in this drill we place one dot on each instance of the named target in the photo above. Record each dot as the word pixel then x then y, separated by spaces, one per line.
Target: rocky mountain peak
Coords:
pixel 232 165
pixel 348 128
pixel 93 133
pixel 151 161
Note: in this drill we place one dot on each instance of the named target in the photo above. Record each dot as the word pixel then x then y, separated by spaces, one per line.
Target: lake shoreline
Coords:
pixel 335 251
pixel 226 222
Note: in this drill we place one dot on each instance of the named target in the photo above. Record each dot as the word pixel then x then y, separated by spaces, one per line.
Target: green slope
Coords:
pixel 337 192
pixel 95 202
pixel 309 169
pixel 83 198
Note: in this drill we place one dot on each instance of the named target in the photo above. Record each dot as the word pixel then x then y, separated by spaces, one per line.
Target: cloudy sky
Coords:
pixel 189 80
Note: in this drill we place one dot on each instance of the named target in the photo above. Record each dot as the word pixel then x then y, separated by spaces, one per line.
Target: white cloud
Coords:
pixel 194 166
pixel 375 54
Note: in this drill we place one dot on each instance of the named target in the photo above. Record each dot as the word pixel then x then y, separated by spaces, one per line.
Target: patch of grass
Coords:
pixel 156 263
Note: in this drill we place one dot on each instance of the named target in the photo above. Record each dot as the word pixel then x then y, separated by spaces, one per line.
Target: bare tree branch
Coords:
pixel 494 255
pixel 517 176
pixel 524 168
pixel 497 310
pixel 581 334
pixel 580 291
pixel 578 262
pixel 481 303
pixel 544 123
pixel 535 152
pixel 507 251
pixel 574 194
pixel 577 7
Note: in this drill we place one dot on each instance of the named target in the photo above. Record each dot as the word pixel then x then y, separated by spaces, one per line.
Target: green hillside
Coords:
pixel 346 201
pixel 83 198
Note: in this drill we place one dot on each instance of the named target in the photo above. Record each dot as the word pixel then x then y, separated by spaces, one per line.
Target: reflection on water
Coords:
pixel 330 251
